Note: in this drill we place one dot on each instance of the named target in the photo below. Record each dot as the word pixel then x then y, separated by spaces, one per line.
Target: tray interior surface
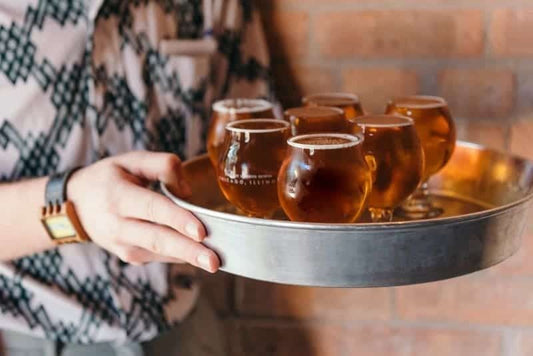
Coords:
pixel 474 180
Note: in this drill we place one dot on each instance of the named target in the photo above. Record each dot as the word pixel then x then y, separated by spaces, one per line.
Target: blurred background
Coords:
pixel 478 54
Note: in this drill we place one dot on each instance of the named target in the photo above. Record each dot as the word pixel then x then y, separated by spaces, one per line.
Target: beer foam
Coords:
pixel 419 102
pixel 269 125
pixel 325 141
pixel 332 99
pixel 383 121
pixel 240 106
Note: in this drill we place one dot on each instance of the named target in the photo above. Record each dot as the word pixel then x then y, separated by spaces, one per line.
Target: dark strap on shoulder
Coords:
pixel 56 188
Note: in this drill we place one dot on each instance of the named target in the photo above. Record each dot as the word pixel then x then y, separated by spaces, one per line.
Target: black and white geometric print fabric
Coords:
pixel 83 79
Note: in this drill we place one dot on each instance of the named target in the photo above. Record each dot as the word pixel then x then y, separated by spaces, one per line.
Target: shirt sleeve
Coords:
pixel 242 63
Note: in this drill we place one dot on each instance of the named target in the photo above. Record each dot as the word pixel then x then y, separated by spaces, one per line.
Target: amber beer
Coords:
pixel 306 120
pixel 349 103
pixel 434 125
pixel 324 178
pixel 249 164
pixel 395 156
pixel 229 110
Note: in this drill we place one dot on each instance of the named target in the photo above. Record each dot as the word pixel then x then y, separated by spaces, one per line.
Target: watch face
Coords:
pixel 59 226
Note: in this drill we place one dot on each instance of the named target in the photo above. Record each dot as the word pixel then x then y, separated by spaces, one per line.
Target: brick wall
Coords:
pixel 479 55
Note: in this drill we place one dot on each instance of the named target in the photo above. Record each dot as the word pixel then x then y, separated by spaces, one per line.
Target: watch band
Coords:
pixel 59 216
pixel 56 188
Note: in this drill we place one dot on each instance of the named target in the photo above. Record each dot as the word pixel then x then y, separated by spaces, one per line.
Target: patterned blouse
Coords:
pixel 84 79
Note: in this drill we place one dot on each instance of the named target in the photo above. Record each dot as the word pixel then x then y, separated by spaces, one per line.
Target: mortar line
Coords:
pixel 406 324
pixel 393 304
pixel 479 62
pixel 508 343
pixel 394 5
pixel 487 23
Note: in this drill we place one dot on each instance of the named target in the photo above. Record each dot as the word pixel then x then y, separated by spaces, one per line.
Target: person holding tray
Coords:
pixel 95 262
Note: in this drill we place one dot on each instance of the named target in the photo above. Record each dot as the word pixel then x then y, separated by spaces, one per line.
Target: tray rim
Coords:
pixel 458 219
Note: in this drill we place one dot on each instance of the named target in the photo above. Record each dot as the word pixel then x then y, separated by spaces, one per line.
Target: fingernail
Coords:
pixel 204 261
pixel 192 230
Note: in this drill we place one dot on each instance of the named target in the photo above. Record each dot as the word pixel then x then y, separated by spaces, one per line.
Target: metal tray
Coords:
pixel 485 195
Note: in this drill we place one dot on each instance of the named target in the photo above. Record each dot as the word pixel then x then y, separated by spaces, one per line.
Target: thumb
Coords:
pixel 156 166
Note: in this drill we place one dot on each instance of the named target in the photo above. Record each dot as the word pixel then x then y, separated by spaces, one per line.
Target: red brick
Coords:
pixel 402 341
pixel 521 136
pixel 312 79
pixel 294 81
pixel 521 263
pixel 274 338
pixel 510 32
pixel 472 299
pixel 524 96
pixel 281 3
pixel 375 86
pixel 480 93
pixel 413 33
pixel 218 289
pixel 272 300
pixel 283 340
pixel 287 33
pixel 486 134
pixel 231 334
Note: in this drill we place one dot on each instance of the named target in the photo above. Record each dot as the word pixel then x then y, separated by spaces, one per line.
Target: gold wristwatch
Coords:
pixel 58 216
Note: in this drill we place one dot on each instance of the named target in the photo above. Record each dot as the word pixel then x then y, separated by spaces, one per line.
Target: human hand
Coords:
pixel 138 225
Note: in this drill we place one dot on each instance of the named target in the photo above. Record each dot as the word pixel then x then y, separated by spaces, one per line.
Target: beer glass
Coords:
pixel 306 120
pixel 349 103
pixel 249 164
pixel 324 178
pixel 436 130
pixel 228 110
pixel 394 153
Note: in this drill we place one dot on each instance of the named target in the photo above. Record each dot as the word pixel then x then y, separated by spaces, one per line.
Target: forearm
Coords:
pixel 21 231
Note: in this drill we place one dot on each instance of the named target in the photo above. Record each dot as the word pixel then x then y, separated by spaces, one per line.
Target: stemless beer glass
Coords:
pixel 249 164
pixel 395 156
pixel 349 103
pixel 324 178
pixel 436 131
pixel 306 120
pixel 228 110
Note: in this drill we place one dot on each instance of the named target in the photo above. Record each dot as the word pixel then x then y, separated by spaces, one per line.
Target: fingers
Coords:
pixel 143 204
pixel 161 240
pixel 138 256
pixel 164 167
pixel 151 227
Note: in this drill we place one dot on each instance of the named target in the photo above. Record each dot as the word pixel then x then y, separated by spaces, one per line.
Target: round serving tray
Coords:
pixel 484 193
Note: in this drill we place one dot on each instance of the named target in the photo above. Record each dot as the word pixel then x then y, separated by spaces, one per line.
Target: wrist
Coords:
pixel 74 186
